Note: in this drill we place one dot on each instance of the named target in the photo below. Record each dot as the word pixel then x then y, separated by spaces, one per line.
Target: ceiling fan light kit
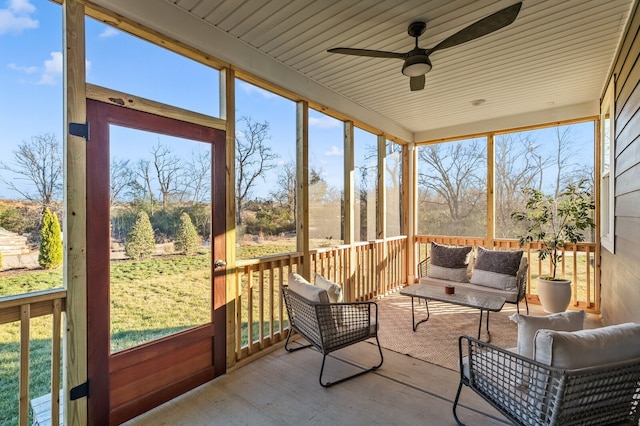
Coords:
pixel 417 65
pixel 416 61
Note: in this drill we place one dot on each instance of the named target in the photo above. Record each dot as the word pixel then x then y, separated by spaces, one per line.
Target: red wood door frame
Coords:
pixel 128 383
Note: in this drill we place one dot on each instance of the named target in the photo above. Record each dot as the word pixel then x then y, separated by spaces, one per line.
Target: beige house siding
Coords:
pixel 620 277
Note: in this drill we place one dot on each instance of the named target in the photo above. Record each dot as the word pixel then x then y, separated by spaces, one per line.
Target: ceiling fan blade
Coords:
pixel 416 83
pixel 485 26
pixel 367 52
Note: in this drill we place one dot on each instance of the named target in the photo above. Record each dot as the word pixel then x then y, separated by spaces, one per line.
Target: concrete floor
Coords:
pixel 282 389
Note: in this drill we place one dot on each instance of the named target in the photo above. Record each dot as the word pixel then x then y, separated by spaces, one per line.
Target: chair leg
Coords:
pixel 360 373
pixel 455 405
pixel 286 344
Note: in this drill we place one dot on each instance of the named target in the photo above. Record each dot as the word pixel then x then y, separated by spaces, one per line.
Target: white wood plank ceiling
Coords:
pixel 552 62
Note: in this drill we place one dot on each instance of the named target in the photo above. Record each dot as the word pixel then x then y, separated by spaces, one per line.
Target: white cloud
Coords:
pixel 52 69
pixel 21 6
pixel 15 17
pixel 334 152
pixel 109 32
pixel 22 68
pixel 250 89
pixel 323 122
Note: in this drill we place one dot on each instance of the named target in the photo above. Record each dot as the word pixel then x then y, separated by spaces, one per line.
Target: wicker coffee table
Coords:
pixel 461 297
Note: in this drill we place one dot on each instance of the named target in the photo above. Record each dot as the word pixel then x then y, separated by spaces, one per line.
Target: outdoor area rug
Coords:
pixel 436 341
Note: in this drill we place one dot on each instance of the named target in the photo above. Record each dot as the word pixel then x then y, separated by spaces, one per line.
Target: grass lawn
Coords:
pixel 581 273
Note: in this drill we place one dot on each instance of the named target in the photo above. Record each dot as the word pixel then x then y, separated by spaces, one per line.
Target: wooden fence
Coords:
pixel 23 308
pixel 365 270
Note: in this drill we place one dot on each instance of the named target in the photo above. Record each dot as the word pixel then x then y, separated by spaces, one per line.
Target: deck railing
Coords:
pixel 364 270
pixel 22 308
pixel 579 264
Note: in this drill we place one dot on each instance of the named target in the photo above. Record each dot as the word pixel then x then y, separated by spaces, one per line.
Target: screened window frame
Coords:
pixel 607 175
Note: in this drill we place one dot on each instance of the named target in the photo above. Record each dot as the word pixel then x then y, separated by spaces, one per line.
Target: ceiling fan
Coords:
pixel 416 61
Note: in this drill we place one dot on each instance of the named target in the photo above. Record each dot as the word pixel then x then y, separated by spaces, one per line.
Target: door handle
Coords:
pixel 219 263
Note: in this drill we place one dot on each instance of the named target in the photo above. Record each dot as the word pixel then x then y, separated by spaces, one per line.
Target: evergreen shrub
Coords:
pixel 140 242
pixel 50 255
pixel 186 241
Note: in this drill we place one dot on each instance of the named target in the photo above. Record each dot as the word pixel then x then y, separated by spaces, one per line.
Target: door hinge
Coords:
pixel 79 129
pixel 79 391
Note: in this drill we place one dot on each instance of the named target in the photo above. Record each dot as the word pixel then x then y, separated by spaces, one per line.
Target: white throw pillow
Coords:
pixel 459 275
pixel 587 348
pixel 494 280
pixel 333 290
pixel 529 325
pixel 304 288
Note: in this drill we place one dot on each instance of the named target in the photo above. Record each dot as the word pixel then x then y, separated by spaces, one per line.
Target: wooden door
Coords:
pixel 125 382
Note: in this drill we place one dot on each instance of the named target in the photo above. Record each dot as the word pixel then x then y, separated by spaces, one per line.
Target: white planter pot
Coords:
pixel 554 295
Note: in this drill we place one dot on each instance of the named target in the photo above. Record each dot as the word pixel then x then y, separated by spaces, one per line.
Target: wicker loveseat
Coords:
pixel 500 273
pixel 328 326
pixel 586 377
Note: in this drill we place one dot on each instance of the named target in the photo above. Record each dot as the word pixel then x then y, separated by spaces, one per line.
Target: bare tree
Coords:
pixel 325 207
pixel 393 183
pixel 121 177
pixel 199 176
pixel 365 191
pixel 563 153
pixel 285 195
pixel 142 185
pixel 362 192
pixel 569 169
pixel 167 167
pixel 253 159
pixel 451 179
pixel 517 164
pixel 393 164
pixel 38 162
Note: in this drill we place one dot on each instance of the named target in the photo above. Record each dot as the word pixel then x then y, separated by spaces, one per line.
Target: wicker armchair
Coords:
pixel 530 393
pixel 331 326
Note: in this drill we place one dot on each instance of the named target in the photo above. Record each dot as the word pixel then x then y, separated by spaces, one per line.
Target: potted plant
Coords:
pixel 555 221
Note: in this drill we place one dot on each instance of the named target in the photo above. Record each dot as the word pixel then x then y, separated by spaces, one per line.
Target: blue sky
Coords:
pixel 31 78
pixel 31 88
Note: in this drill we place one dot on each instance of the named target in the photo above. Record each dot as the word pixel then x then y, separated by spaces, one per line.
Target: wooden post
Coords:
pixel 23 404
pixel 491 199
pixel 228 112
pixel 381 223
pixel 55 362
pixel 349 206
pixel 381 214
pixel 75 213
pixel 597 214
pixel 409 200
pixel 302 185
